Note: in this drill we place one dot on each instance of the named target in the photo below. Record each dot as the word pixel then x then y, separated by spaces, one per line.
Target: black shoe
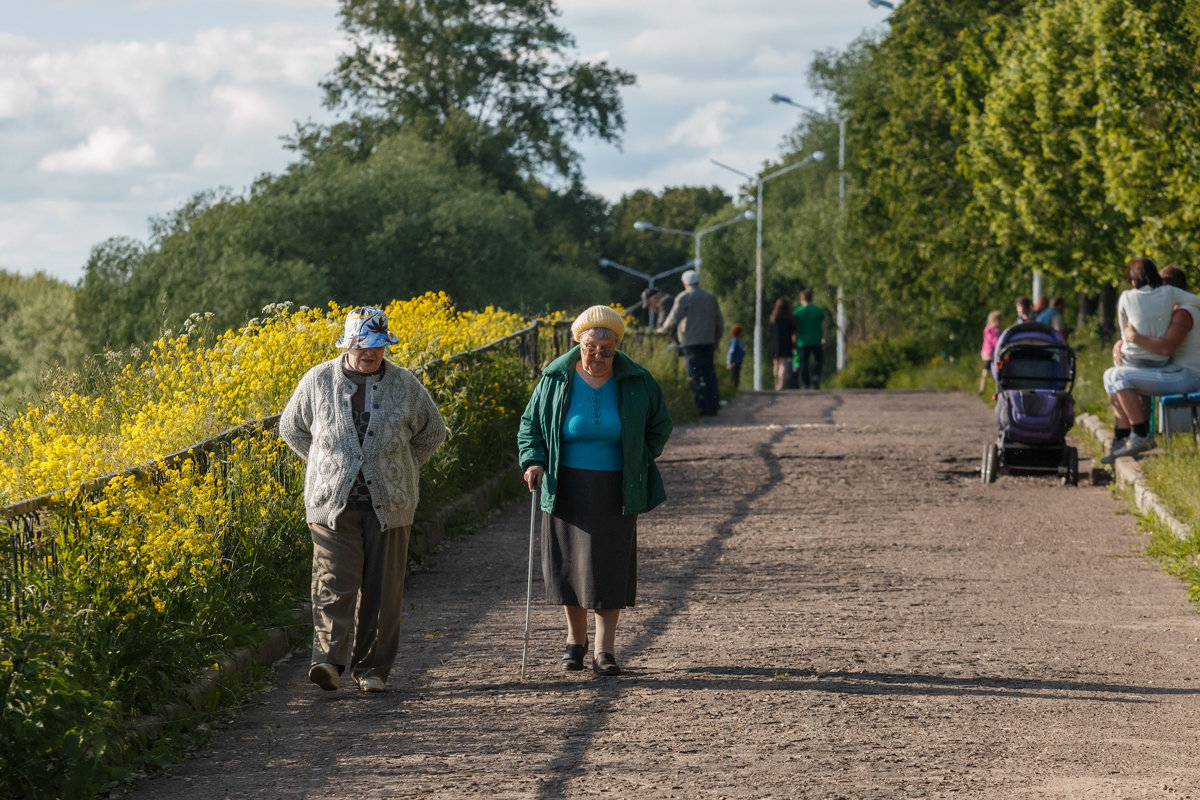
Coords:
pixel 572 659
pixel 605 664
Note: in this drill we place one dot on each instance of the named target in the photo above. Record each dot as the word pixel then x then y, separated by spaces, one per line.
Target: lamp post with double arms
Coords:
pixel 696 235
pixel 841 306
pixel 758 252
pixel 650 279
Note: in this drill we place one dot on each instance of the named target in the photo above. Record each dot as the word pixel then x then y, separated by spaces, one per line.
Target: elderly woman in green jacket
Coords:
pixel 588 439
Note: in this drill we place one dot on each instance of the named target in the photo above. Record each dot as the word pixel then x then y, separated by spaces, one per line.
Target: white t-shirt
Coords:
pixel 1149 310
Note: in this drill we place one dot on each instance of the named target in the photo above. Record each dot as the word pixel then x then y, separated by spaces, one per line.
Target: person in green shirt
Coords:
pixel 810 340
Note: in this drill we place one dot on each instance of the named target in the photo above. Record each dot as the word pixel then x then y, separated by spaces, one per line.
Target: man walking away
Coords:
pixel 698 340
pixel 810 339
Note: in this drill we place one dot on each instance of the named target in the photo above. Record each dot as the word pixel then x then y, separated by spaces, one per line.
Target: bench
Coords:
pixel 1179 412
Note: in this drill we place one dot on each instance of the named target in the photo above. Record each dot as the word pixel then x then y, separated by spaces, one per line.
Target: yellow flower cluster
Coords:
pixel 187 389
pixel 158 536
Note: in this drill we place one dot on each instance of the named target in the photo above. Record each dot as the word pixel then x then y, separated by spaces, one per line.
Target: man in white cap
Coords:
pixel 698 340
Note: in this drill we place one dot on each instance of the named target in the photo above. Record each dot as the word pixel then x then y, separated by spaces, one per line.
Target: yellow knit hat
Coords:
pixel 598 317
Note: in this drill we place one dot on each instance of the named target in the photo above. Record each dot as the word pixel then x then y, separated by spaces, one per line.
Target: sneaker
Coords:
pixel 325 675
pixel 1133 445
pixel 1117 446
pixel 372 683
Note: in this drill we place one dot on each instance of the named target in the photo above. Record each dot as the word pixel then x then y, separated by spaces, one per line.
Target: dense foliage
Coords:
pixel 161 570
pixel 986 141
pixel 495 80
pixel 38 332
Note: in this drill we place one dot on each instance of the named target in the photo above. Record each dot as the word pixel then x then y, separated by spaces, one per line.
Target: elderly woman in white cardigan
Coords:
pixel 365 426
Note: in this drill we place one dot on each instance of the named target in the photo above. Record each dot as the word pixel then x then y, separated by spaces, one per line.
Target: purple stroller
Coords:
pixel 1034 370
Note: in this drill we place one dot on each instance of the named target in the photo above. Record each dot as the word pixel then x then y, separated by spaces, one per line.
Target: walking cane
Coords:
pixel 533 515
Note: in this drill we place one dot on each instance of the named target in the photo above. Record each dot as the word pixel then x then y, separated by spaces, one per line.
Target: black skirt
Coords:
pixel 589 548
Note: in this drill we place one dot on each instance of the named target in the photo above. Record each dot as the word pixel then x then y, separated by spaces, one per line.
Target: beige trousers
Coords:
pixel 357 590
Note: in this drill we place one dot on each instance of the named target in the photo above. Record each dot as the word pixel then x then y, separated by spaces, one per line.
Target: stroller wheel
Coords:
pixel 991 458
pixel 1071 461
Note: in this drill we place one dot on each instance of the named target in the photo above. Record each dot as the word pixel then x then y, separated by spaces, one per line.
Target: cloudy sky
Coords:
pixel 115 111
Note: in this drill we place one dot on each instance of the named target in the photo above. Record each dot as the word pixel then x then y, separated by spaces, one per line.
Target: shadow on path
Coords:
pixel 566 765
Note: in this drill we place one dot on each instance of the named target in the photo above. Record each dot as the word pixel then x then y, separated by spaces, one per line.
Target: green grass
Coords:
pixel 1173 473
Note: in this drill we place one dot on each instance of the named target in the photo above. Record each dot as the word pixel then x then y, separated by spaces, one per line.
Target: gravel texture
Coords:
pixel 831 605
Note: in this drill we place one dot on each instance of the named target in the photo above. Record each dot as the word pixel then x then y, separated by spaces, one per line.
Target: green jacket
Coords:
pixel 645 428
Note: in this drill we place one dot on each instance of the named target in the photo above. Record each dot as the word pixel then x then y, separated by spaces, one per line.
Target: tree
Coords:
pixel 1032 151
pixel 684 208
pixel 404 221
pixel 38 333
pixel 912 256
pixel 494 79
pixel 112 301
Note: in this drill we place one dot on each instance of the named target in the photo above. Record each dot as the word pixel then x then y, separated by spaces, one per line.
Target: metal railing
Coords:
pixel 34 527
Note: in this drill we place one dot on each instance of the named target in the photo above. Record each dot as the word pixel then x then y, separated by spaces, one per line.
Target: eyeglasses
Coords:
pixel 599 351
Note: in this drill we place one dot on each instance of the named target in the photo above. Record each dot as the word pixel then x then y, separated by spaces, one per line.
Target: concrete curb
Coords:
pixel 1129 473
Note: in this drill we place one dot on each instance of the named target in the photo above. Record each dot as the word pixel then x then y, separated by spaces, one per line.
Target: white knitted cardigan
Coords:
pixel 405 429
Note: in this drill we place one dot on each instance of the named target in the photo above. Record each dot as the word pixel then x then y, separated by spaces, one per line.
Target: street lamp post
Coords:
pixel 758 254
pixel 881 4
pixel 650 279
pixel 696 235
pixel 841 306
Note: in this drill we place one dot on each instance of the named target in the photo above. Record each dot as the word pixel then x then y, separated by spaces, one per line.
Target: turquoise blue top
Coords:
pixel 591 434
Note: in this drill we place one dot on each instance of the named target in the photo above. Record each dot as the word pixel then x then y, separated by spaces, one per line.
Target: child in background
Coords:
pixel 991 332
pixel 736 354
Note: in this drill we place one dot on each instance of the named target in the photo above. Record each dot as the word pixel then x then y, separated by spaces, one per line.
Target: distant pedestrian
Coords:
pixel 810 340
pixel 698 313
pixel 656 304
pixel 365 426
pixel 1024 309
pixel 781 342
pixel 1052 315
pixel 736 355
pixel 588 439
pixel 991 333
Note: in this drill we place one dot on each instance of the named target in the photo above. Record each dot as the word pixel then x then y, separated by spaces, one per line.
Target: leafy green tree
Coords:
pixel 113 302
pixel 38 332
pixel 495 80
pixel 1147 120
pixel 404 221
pixel 1032 153
pixel 684 208
pixel 911 255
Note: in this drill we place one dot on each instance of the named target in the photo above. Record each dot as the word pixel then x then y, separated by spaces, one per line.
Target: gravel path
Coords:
pixel 831 605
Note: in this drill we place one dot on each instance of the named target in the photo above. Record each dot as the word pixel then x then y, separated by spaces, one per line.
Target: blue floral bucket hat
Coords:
pixel 366 326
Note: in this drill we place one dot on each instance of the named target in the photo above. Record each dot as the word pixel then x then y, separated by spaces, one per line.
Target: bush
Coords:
pixel 871 365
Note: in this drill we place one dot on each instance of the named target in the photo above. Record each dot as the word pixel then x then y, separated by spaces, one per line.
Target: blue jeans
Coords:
pixel 703 377
pixel 1157 381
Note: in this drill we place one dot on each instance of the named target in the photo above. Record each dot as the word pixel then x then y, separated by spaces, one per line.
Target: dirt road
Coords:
pixel 831 605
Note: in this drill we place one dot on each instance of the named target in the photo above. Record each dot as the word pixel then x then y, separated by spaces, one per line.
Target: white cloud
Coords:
pixel 707 126
pixel 17 96
pixel 107 150
pixel 142 103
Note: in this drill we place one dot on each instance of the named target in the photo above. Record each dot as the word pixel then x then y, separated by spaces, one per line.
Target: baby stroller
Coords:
pixel 1035 373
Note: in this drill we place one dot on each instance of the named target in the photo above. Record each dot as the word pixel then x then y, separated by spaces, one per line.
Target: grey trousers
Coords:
pixel 357 589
